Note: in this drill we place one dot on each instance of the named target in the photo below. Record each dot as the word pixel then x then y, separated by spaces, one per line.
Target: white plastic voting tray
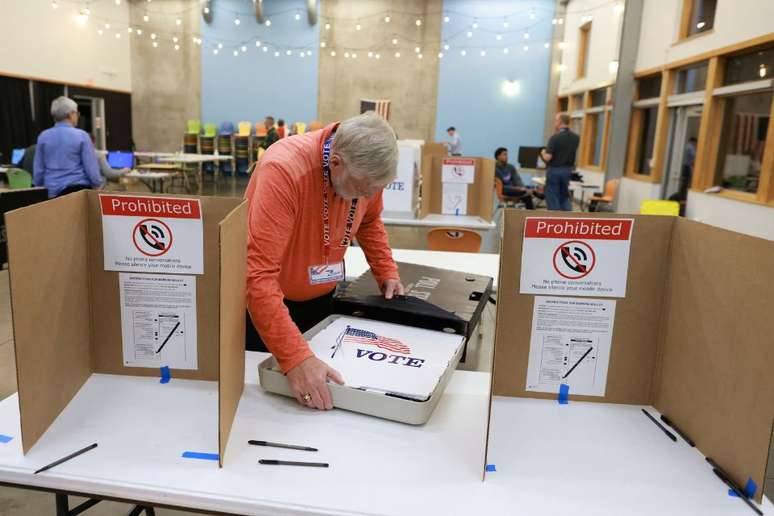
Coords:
pixel 386 406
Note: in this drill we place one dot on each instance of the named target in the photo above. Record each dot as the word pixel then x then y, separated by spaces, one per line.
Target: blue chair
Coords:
pixel 225 146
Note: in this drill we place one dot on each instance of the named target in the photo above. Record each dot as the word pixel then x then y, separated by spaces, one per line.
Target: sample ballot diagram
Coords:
pixel 154 332
pixel 570 344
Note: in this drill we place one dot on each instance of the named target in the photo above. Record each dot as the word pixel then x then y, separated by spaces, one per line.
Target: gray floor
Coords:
pixel 17 502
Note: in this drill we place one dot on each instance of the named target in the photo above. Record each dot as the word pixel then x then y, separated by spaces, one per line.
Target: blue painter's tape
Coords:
pixel 490 467
pixel 5 438
pixel 165 375
pixel 749 489
pixel 199 455
pixel 564 392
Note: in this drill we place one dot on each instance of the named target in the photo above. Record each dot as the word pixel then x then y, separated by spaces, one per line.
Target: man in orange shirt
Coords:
pixel 308 197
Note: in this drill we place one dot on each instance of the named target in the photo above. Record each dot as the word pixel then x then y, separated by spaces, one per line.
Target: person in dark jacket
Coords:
pixel 513 186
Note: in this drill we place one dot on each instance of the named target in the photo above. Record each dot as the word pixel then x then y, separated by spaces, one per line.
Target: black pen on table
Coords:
pixel 722 475
pixel 663 429
pixel 679 432
pixel 65 459
pixel 281 445
pixel 271 462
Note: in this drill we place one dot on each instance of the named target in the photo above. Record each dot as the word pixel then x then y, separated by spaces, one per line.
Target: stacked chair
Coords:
pixel 191 137
pixel 207 141
pixel 242 148
pixel 225 147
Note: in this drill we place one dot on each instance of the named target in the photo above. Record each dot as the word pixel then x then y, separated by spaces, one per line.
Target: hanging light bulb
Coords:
pixel 469 34
pixel 526 47
pixel 483 53
pixel 153 36
pixel 419 56
pixel 265 48
pixel 82 17
pixel 370 55
pixel 139 32
pixel 301 54
pixel 526 35
pixel 236 53
pixel 87 11
pixel 387 19
pixel 276 54
pixel 446 46
pixel 155 44
pixel 417 50
pixel 499 37
pixel 308 53
pixel 215 51
pixel 177 47
pixel 145 18
pixel 107 26
pixel 463 52
pixel 54 5
pixel 547 44
pixel 220 45
pixel 322 44
pixel 333 53
pixel 446 19
pixel 327 26
pixel 418 22
pixel 237 21
pixel 258 43
pixel 440 55
pixel 531 14
pixel 175 39
pixel 553 21
pixel 206 10
pixel 178 22
pixel 244 48
pixel 560 21
pixel 267 23
pixel 475 25
pixel 129 30
pixel 358 27
pixel 99 31
pixel 506 50
pixel 506 24
pixel 397 55
pixel 288 52
pixel 378 55
pixel 394 41
pixel 346 55
pixel 354 55
pixel 297 16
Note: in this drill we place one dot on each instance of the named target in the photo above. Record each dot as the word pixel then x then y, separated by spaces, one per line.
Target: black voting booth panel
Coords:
pixel 436 299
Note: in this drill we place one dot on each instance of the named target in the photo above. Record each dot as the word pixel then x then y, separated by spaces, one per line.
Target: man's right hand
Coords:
pixel 309 377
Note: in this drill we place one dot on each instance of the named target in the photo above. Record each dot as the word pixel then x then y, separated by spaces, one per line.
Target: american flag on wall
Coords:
pixel 369 338
pixel 381 107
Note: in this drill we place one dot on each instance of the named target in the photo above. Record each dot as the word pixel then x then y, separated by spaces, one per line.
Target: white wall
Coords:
pixel 603 44
pixel 632 192
pixel 735 21
pixel 743 217
pixel 46 43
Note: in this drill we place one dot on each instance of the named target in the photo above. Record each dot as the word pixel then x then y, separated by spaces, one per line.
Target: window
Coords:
pixel 583 49
pixel 595 136
pixel 691 79
pixel 698 16
pixel 649 87
pixel 576 124
pixel 753 66
pixel 576 103
pixel 647 140
pixel 598 97
pixel 742 141
pixel 563 104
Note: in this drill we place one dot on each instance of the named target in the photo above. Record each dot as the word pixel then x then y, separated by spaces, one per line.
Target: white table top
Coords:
pixel 193 158
pixel 576 459
pixel 541 181
pixel 484 264
pixel 436 220
pixel 150 175
pixel 148 154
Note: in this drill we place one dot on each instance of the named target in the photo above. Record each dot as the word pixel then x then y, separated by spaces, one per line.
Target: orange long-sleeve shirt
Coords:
pixel 285 238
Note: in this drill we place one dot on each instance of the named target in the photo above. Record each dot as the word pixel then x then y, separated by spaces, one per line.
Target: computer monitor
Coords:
pixel 529 157
pixel 17 156
pixel 119 159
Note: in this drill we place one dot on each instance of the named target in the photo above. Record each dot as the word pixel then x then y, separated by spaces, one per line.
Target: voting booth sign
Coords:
pixel 689 333
pixel 575 256
pixel 152 234
pixel 74 316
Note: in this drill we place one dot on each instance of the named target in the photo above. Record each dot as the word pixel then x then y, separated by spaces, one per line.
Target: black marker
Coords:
pixel 65 459
pixel 167 339
pixel 280 445
pixel 679 432
pixel 268 462
pixel 730 483
pixel 663 429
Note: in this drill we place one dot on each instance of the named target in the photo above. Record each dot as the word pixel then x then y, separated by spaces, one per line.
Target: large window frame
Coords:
pixel 584 40
pixel 637 129
pixel 593 116
pixel 687 27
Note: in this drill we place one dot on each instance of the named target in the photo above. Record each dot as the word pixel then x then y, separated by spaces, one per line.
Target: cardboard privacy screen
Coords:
pixel 67 314
pixel 692 337
pixel 479 194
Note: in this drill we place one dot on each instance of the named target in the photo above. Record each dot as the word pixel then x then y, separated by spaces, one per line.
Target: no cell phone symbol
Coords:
pixel 152 237
pixel 574 259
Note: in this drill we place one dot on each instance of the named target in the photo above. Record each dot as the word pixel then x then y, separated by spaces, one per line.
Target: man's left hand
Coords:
pixel 392 287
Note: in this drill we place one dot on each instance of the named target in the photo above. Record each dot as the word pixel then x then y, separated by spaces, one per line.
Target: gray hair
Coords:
pixel 62 107
pixel 367 145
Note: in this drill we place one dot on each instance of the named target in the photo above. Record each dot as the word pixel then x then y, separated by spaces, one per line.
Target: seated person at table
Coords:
pixel 512 184
pixel 109 173
pixel 65 160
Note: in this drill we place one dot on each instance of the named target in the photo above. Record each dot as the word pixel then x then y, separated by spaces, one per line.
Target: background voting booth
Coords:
pixel 458 186
pixel 396 356
pixel 401 197
pixel 88 317
pixel 688 330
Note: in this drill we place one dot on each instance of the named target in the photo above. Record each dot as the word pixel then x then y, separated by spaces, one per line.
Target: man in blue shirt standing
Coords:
pixel 559 155
pixel 65 160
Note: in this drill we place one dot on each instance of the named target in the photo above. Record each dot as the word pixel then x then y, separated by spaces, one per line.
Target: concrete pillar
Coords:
pixel 553 70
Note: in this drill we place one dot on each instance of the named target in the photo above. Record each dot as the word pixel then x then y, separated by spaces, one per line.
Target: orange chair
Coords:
pixel 611 187
pixel 315 125
pixel 453 239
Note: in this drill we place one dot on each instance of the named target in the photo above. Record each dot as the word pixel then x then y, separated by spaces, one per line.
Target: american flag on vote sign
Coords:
pixel 381 107
pixel 369 338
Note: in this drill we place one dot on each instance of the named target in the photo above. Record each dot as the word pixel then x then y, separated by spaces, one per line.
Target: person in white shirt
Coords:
pixel 455 145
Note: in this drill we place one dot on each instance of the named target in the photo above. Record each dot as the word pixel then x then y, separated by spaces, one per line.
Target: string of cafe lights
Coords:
pixel 478 35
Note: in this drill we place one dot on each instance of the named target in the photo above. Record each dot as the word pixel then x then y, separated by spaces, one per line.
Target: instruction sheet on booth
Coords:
pixel 570 344
pixel 158 320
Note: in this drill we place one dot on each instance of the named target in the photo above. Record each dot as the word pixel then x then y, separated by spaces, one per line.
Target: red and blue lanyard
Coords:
pixel 345 241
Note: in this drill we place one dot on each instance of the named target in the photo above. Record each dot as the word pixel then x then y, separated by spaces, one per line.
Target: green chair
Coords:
pixel 19 178
pixel 210 130
pixel 194 127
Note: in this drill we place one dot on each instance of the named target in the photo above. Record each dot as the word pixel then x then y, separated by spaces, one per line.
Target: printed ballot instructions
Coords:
pixel 455 199
pixel 575 256
pixel 384 357
pixel 152 234
pixel 458 170
pixel 158 320
pixel 570 344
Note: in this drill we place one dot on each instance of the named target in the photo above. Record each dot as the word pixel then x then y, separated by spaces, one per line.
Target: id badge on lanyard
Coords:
pixel 331 272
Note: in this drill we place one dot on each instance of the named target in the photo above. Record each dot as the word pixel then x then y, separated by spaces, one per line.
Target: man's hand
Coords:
pixel 308 378
pixel 392 287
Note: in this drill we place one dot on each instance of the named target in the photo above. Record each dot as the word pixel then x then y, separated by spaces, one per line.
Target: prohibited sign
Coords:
pixel 574 259
pixel 152 237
